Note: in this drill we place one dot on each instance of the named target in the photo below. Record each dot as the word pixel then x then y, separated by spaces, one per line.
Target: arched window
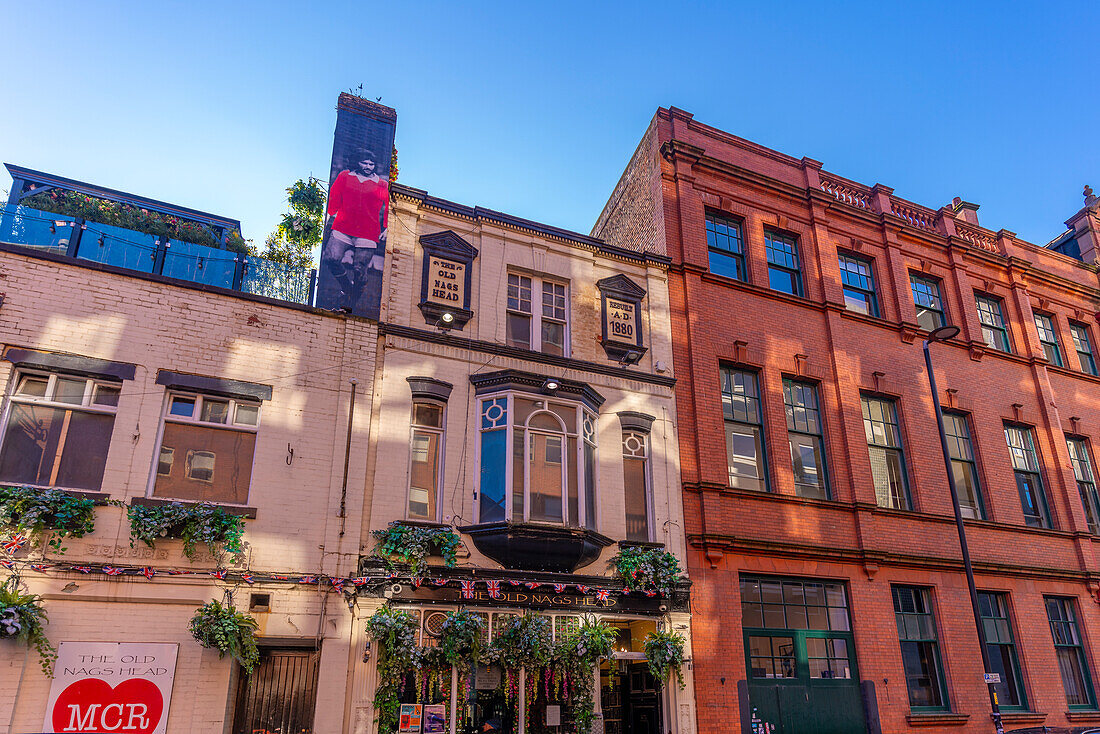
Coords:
pixel 538 460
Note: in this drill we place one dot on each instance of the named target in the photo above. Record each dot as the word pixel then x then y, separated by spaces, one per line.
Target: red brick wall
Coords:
pixel 716 320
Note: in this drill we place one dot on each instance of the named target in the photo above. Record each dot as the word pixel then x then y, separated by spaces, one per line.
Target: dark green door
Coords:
pixel 800 658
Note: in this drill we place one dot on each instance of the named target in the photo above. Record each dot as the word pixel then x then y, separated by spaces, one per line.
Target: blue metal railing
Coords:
pixel 146 253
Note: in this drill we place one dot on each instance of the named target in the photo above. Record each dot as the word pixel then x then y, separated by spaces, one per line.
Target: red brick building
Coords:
pixel 829 593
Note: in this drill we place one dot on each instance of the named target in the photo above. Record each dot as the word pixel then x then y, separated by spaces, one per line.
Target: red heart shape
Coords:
pixel 134 706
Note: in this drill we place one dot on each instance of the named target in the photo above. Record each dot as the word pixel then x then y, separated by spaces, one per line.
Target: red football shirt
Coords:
pixel 359 206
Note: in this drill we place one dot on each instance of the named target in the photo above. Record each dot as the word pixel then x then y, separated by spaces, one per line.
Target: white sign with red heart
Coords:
pixel 111 687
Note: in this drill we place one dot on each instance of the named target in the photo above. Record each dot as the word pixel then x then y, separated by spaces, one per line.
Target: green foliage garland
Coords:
pixel 460 639
pixel 22 617
pixel 127 216
pixel 202 523
pixel 411 544
pixel 574 656
pixel 39 512
pixel 394 631
pixel 226 630
pixel 647 569
pixel 664 651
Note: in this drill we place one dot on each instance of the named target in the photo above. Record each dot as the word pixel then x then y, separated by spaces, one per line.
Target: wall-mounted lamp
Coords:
pixel 550 385
pixel 632 356
pixel 445 321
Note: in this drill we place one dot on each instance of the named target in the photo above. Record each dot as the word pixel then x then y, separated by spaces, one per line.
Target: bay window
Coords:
pixel 538 460
pixel 425 464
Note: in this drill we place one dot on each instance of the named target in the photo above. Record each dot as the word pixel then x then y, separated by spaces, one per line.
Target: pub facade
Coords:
pixel 524 404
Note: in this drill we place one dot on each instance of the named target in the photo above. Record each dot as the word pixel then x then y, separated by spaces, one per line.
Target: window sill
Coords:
pixel 945 718
pixel 1083 715
pixel 1022 717
pixel 645 544
pixel 423 524
pixel 238 510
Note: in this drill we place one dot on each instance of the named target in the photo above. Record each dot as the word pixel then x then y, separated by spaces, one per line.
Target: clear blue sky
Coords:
pixel 534 109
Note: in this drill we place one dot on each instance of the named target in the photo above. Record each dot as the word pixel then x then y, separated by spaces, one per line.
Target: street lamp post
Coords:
pixel 940 334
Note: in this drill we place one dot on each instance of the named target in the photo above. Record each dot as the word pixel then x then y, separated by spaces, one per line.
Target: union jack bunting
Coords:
pixel 361 580
pixel 493 588
pixel 7 564
pixel 148 572
pixel 532 584
pixel 392 575
pixel 278 577
pixel 417 581
pixel 219 574
pixel 582 588
pixel 439 582
pixel 177 572
pixel 602 594
pixel 307 580
pixel 40 566
pixel 14 543
pixel 559 588
pixel 510 582
pixel 651 593
pixel 338 584
pixel 467 589
pixel 112 570
pixel 82 569
pixel 248 578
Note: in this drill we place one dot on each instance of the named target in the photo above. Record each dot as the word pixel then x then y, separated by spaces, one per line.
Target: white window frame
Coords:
pixel 86 405
pixel 536 316
pixel 230 424
pixel 577 432
pixel 442 433
pixel 647 462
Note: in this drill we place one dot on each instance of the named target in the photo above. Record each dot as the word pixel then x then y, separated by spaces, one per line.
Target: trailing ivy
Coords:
pixel 22 617
pixel 228 631
pixel 664 651
pixel 394 631
pixel 647 569
pixel 46 512
pixel 412 544
pixel 202 523
pixel 127 216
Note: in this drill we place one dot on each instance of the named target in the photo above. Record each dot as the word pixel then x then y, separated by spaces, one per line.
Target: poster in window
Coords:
pixel 434 719
pixel 410 720
pixel 111 686
pixel 353 249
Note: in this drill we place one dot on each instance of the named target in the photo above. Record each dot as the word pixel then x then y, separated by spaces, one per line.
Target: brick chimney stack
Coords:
pixel 965 211
pixel 1086 227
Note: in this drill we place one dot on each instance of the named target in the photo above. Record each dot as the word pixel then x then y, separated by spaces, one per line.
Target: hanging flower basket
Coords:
pixel 647 569
pixel 228 631
pixel 412 544
pixel 202 523
pixel 23 618
pixel 664 651
pixel 394 631
pixel 46 512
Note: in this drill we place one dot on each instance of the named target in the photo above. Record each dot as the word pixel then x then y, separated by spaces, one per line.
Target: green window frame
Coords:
pixel 1086 480
pixel 963 465
pixel 1072 662
pixel 797 630
pixel 991 315
pixel 746 458
pixel 1048 337
pixel 925 681
pixel 1029 480
pixel 1083 346
pixel 807 440
pixel 784 268
pixel 726 247
pixel 1000 645
pixel 929 303
pixel 887 456
pixel 857 277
